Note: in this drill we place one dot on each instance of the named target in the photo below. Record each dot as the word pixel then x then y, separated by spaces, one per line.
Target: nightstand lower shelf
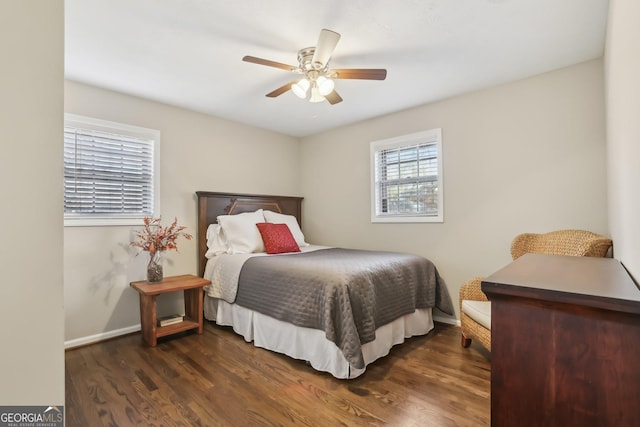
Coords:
pixel 191 286
pixel 185 325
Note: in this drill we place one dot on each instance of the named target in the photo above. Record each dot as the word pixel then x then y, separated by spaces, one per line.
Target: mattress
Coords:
pixel 303 341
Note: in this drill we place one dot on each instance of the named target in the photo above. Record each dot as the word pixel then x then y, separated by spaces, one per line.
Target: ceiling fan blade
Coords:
pixel 360 73
pixel 333 98
pixel 282 89
pixel 268 63
pixel 327 42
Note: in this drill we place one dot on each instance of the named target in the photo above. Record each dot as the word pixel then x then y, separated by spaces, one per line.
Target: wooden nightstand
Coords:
pixel 193 297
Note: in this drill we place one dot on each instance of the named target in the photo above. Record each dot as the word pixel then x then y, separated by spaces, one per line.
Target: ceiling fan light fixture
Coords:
pixel 325 85
pixel 300 88
pixel 315 95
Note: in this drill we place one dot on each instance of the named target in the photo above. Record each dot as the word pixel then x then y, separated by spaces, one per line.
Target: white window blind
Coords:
pixel 109 171
pixel 407 178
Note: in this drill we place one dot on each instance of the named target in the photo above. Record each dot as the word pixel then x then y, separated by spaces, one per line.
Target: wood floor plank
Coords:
pixel 218 379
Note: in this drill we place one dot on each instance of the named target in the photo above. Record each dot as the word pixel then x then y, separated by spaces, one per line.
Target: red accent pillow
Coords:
pixel 277 238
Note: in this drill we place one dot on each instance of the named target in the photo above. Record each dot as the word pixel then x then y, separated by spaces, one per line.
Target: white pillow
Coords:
pixel 241 232
pixel 292 223
pixel 216 241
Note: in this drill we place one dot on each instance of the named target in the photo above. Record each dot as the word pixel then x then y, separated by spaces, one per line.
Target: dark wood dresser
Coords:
pixel 565 343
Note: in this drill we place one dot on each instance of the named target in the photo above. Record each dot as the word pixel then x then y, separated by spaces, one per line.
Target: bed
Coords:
pixel 337 309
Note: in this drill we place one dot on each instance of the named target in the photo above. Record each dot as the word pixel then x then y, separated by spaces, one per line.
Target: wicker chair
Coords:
pixel 562 242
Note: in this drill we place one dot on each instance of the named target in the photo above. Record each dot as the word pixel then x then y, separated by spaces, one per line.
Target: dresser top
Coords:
pixel 596 282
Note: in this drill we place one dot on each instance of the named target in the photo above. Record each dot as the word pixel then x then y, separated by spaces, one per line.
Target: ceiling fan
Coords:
pixel 317 83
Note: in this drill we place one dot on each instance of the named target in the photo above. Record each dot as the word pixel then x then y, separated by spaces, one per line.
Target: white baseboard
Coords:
pixel 100 337
pixel 448 320
pixel 135 328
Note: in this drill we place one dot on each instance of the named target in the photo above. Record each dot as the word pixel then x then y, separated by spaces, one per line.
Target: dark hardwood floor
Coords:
pixel 217 379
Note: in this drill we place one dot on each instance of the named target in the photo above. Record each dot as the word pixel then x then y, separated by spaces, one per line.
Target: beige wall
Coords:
pixel 522 157
pixel 622 64
pixel 31 101
pixel 198 152
pixel 525 156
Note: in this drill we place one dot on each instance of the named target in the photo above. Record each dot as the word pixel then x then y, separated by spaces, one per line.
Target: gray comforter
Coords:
pixel 344 292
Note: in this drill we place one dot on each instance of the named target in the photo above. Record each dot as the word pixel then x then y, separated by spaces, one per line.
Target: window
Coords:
pixel 406 178
pixel 110 172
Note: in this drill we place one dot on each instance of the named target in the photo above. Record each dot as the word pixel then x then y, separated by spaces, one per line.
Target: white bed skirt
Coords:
pixel 311 344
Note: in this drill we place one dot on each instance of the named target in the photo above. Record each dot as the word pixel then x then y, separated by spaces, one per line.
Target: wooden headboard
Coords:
pixel 211 204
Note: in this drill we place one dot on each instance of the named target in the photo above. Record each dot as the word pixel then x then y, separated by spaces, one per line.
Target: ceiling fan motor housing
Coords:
pixel 305 59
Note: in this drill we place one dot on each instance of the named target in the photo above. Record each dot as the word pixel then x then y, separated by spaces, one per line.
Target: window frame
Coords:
pixel 430 137
pixel 100 219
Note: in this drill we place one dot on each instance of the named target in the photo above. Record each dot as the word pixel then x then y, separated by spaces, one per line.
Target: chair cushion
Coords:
pixel 480 311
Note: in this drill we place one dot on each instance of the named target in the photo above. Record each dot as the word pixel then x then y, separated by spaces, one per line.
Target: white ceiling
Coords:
pixel 189 53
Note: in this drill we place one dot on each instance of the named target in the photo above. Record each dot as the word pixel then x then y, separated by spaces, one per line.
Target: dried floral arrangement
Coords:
pixel 154 237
